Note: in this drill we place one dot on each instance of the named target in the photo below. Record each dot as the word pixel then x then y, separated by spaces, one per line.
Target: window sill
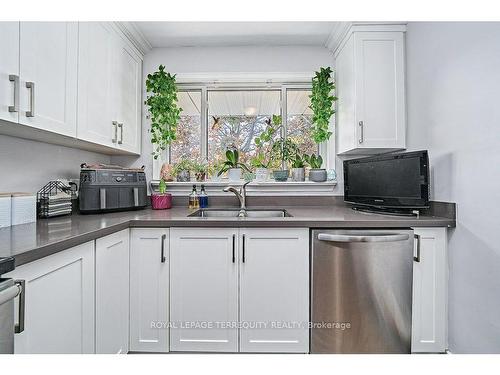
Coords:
pixel 268 188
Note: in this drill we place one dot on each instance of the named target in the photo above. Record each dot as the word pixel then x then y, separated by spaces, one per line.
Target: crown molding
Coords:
pixel 136 37
pixel 337 35
pixel 340 32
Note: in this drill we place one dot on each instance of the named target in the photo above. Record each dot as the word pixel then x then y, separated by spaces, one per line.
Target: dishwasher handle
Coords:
pixel 363 237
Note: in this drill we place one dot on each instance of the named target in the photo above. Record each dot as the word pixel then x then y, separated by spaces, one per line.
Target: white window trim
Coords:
pixel 283 81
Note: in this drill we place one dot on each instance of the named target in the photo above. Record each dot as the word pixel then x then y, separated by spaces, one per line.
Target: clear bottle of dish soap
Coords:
pixel 194 202
pixel 203 198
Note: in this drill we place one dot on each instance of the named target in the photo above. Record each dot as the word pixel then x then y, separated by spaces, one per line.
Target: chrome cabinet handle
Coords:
pixel 115 138
pixel 31 86
pixel 362 238
pixel 19 327
pixel 14 78
pixel 244 257
pixel 120 125
pixel 163 237
pixel 234 239
pixel 361 132
pixel 417 258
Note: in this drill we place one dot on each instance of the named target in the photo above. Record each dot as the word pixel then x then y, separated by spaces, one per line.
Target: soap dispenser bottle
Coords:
pixel 193 199
pixel 203 198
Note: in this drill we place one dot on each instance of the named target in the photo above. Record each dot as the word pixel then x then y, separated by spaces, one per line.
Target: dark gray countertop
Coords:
pixel 29 242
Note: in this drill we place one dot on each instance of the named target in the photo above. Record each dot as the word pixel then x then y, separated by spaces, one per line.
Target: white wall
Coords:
pixel 454 112
pixel 28 165
pixel 247 59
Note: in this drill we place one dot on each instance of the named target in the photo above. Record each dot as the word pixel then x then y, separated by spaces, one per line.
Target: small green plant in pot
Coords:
pixel 233 166
pixel 298 170
pixel 161 200
pixel 182 170
pixel 200 170
pixel 163 109
pixel 261 165
pixel 283 151
pixel 316 174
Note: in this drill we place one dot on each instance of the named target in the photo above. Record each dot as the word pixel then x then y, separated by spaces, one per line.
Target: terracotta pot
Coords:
pixel 161 201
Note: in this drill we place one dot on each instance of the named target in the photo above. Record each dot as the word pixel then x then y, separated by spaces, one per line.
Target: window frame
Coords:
pixel 324 149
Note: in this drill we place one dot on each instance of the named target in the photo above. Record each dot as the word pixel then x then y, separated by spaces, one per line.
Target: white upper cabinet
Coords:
pixel 127 102
pixel 48 56
pixel 430 284
pixel 9 71
pixel 149 289
pixel 112 293
pixel 109 89
pixel 58 303
pixel 95 112
pixel 370 85
pixel 274 289
pixel 203 289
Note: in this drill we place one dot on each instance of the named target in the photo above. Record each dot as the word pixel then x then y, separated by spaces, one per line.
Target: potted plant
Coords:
pixel 233 166
pixel 322 104
pixel 163 109
pixel 316 174
pixel 283 150
pixel 200 171
pixel 182 170
pixel 298 172
pixel 261 165
pixel 161 200
pixel 264 144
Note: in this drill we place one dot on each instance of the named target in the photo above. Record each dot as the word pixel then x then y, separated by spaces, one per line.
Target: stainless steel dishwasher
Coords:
pixel 361 291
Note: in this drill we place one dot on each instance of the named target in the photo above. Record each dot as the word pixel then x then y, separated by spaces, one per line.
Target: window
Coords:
pixel 215 119
pixel 236 118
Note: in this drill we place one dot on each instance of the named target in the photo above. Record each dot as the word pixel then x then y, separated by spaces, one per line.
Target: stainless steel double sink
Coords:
pixel 235 212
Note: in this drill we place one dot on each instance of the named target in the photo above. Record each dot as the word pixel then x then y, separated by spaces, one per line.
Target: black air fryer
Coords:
pixel 110 190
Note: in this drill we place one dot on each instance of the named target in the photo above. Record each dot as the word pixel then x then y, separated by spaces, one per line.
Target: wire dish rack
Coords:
pixel 54 199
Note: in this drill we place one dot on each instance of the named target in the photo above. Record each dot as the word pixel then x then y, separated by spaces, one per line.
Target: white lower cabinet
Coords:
pixel 149 289
pixel 239 290
pixel 274 290
pixel 203 289
pixel 112 293
pixel 59 303
pixel 430 280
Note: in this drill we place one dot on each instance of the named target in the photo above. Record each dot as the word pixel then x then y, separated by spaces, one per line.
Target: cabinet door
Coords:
pixel 127 97
pixel 430 275
pixel 380 90
pixel 9 71
pixel 112 293
pixel 274 290
pixel 203 289
pixel 149 263
pixel 59 303
pixel 48 64
pixel 95 80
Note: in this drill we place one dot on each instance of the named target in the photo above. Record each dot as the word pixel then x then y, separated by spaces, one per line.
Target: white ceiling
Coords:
pixel 198 34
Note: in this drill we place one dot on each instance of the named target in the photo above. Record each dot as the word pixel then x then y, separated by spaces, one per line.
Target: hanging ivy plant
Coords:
pixel 322 104
pixel 162 103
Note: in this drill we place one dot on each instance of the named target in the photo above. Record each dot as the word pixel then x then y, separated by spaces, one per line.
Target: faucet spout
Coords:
pixel 241 194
